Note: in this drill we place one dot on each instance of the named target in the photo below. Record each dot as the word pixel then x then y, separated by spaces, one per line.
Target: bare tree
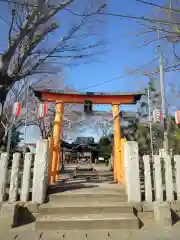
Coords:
pixel 30 106
pixel 31 24
pixel 163 25
pixel 101 123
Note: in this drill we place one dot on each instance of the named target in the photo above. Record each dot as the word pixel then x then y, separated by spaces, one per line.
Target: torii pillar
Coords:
pixel 117 144
pixel 57 141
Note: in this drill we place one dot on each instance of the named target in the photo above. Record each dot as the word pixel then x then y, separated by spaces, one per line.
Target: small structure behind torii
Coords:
pixel 114 99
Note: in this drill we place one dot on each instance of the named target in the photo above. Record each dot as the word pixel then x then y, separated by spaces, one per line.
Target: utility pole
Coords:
pixel 163 102
pixel 150 121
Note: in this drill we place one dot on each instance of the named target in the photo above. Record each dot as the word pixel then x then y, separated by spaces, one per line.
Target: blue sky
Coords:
pixel 123 52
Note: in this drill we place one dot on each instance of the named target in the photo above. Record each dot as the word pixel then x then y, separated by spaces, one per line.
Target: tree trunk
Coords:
pixel 4 89
pixel 2 133
pixel 3 94
pixel 5 83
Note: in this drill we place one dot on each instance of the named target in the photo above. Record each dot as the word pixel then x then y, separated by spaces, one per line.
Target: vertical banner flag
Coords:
pixel 42 110
pixel 177 117
pixel 157 115
pixel 17 109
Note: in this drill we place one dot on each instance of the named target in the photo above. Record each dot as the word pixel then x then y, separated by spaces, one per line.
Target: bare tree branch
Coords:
pixel 159 6
pixel 174 49
pixel 27 53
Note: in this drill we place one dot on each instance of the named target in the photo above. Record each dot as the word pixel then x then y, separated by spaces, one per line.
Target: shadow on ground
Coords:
pixel 141 224
pixel 175 217
pixel 80 179
pixel 25 217
pixel 70 186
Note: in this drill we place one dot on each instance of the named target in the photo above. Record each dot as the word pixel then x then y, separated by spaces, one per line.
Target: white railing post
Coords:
pixel 3 174
pixel 177 162
pixel 13 190
pixel 131 164
pixel 162 152
pixel 26 177
pixel 158 178
pixel 40 176
pixel 147 178
pixel 168 178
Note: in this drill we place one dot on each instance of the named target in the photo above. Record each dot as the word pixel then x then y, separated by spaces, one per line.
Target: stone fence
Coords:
pixel 25 179
pixel 160 179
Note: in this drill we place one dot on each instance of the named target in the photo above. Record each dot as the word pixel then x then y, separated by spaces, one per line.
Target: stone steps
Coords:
pixel 85 208
pixel 88 222
pixel 78 205
pixel 88 188
pixel 88 197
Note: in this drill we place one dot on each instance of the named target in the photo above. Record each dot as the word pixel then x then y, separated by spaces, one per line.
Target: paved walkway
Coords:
pixel 92 235
pixel 149 231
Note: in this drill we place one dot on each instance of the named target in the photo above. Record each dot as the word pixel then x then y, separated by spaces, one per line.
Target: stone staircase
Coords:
pixel 87 206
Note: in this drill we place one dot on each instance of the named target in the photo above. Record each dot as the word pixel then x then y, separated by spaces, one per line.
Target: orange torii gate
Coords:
pixel 60 98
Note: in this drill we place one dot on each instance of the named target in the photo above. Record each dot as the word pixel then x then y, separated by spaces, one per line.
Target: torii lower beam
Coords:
pixel 115 99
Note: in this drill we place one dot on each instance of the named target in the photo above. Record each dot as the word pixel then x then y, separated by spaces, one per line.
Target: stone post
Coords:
pixel 131 164
pixel 162 214
pixel 26 177
pixel 50 173
pixel 123 140
pixel 147 176
pixel 158 178
pixel 177 162
pixel 40 176
pixel 13 191
pixel 3 169
pixel 169 178
pixel 162 152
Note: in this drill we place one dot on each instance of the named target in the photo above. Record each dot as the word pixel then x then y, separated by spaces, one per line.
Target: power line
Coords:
pixel 113 79
pixel 119 77
pixel 110 80
pixel 6 21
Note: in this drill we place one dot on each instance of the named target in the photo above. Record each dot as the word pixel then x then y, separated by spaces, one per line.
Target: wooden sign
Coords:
pixel 157 116
pixel 88 106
